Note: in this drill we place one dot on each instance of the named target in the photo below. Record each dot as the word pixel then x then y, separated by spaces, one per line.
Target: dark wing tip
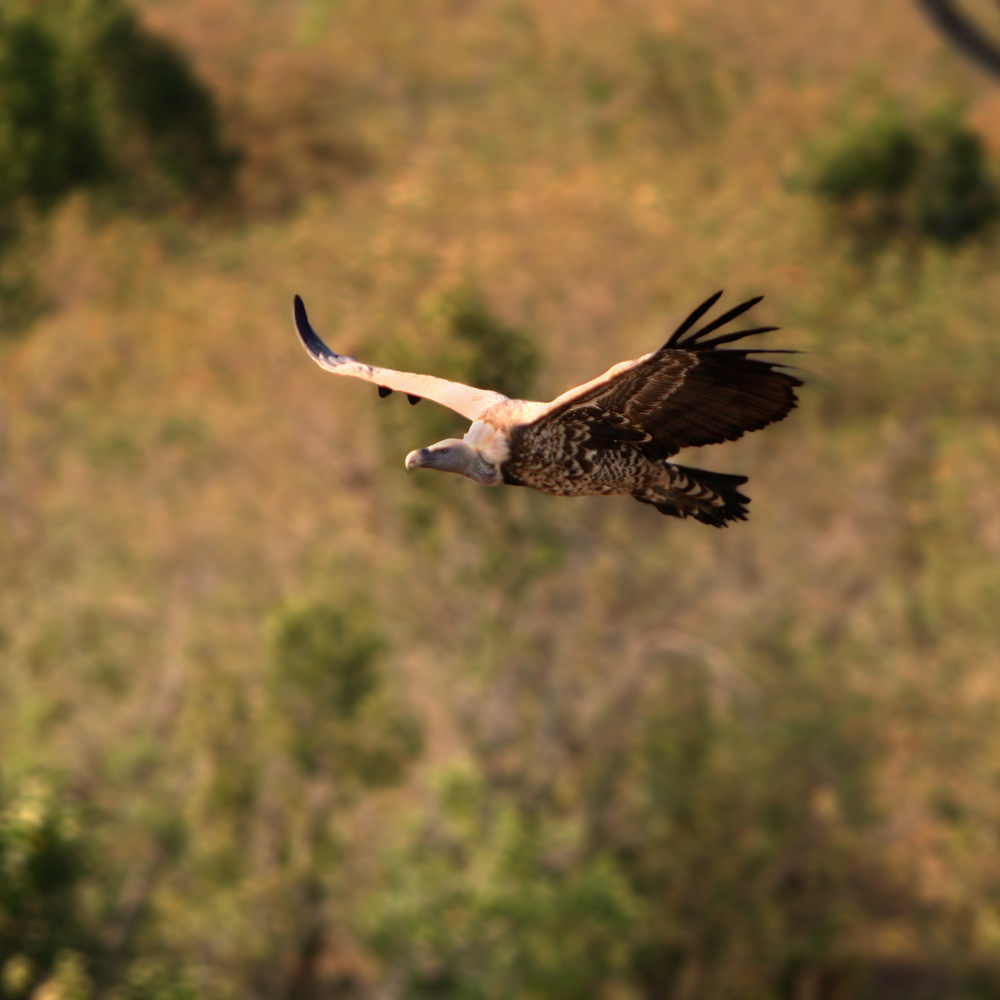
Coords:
pixel 727 338
pixel 693 318
pixel 310 339
pixel 697 341
pixel 299 310
pixel 305 331
pixel 721 321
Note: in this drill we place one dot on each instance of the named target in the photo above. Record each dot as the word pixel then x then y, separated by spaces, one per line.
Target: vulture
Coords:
pixel 614 435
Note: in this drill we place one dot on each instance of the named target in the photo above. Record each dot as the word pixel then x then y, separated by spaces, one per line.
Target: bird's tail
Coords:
pixel 710 497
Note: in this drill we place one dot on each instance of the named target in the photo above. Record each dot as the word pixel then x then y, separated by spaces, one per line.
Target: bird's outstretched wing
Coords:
pixel 464 399
pixel 688 393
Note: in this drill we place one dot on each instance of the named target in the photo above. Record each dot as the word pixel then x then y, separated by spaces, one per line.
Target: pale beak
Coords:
pixel 416 458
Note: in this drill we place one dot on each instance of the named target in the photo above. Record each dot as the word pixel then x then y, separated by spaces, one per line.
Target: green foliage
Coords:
pixel 880 159
pixel 487 901
pixel 498 356
pixel 765 869
pixel 91 101
pixel 157 116
pixel 43 867
pixel 49 142
pixel 149 979
pixel 675 859
pixel 324 658
pixel 895 176
pixel 956 193
pixel 667 862
pixel 328 689
pixel 89 98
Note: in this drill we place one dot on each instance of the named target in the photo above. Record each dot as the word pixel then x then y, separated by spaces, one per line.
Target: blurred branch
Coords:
pixel 964 34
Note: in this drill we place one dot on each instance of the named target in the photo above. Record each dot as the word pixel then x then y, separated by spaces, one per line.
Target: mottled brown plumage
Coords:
pixel 615 434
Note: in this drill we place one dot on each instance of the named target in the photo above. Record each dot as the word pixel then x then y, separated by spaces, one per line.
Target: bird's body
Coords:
pixel 613 435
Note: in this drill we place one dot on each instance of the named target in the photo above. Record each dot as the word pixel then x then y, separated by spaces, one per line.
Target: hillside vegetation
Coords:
pixel 280 720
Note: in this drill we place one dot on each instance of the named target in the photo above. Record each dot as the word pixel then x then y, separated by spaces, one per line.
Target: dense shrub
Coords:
pixel 43 866
pixel 900 177
pixel 665 863
pixel 92 101
pixel 500 356
pixel 89 98
pixel 49 140
pixel 326 685
pixel 484 900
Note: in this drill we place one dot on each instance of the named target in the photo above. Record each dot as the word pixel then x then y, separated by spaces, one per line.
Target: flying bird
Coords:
pixel 615 434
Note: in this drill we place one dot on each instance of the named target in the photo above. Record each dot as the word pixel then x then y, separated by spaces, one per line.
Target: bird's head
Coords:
pixel 453 455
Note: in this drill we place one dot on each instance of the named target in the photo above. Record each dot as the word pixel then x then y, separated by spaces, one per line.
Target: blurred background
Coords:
pixel 278 720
